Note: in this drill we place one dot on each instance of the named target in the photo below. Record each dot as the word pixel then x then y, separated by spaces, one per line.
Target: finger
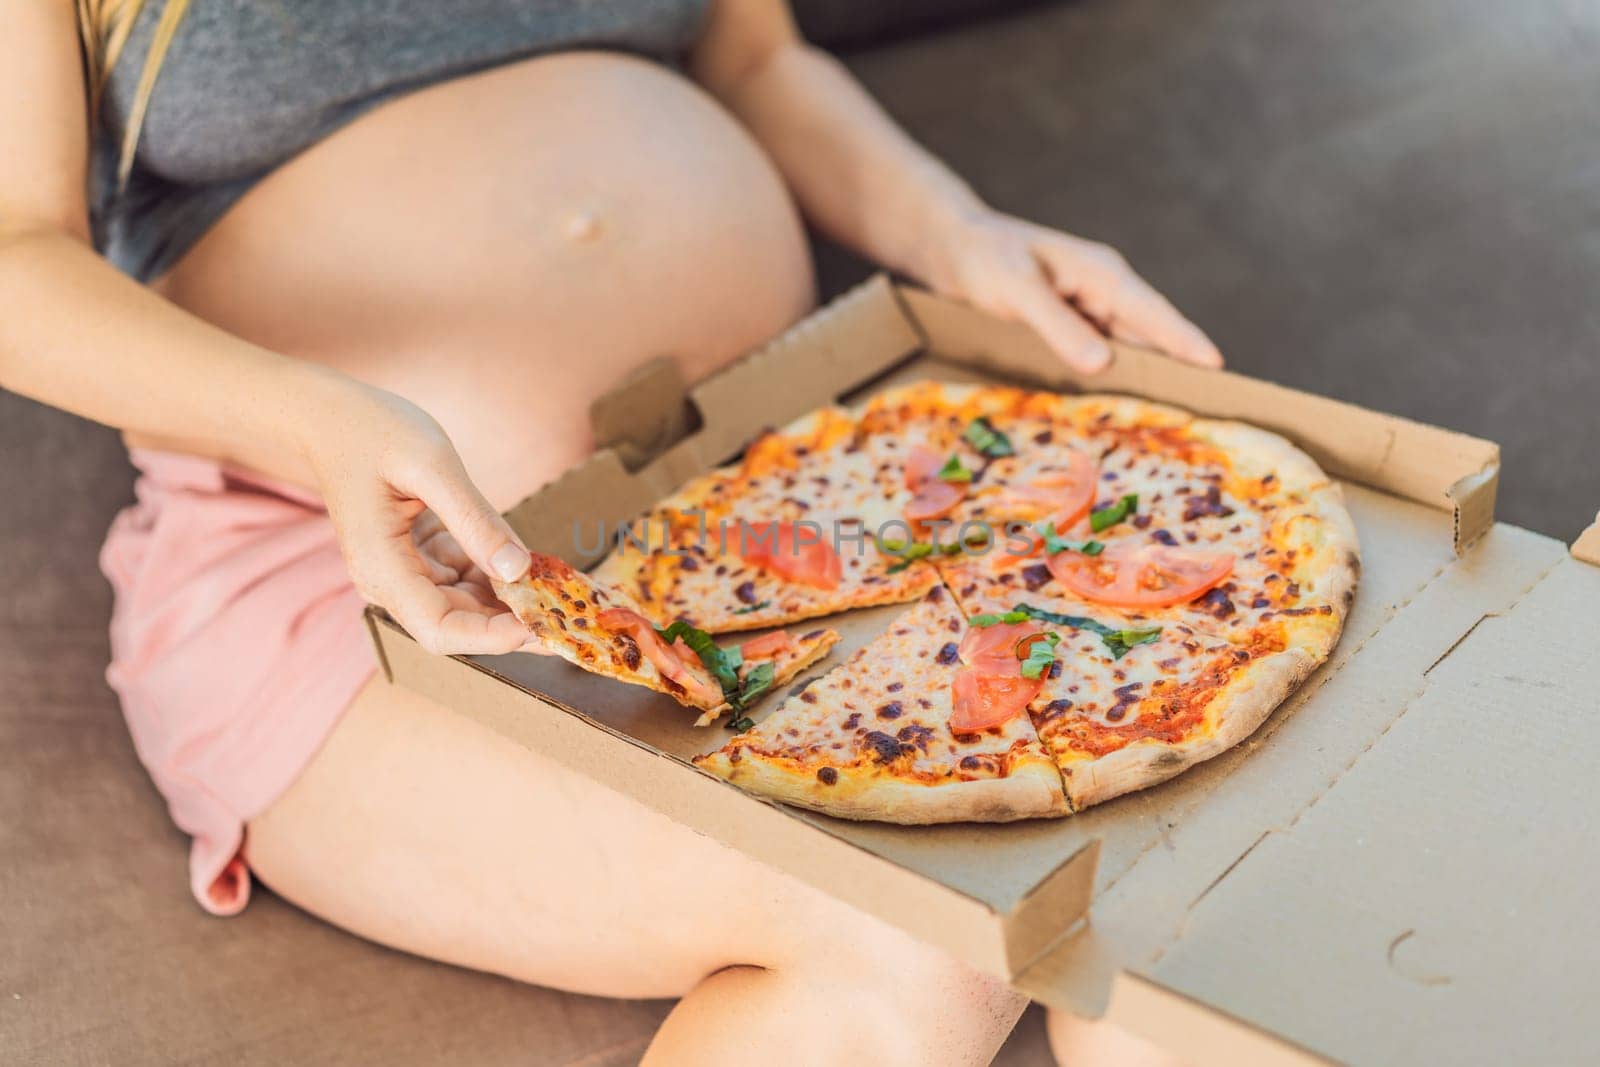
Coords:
pixel 438 573
pixel 473 596
pixel 1069 334
pixel 444 547
pixel 1100 281
pixel 443 623
pixel 1144 316
pixel 480 531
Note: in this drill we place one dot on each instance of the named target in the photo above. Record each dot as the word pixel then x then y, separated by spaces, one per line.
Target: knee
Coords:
pixel 908 1002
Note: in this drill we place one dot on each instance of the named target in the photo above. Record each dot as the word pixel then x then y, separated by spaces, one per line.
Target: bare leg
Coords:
pixel 421 830
pixel 1078 1042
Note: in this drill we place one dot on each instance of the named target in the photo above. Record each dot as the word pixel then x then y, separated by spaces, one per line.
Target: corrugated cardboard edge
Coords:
pixel 1502 667
pixel 1060 902
pixel 1439 468
pixel 374 617
pixel 1587 547
pixel 996 943
pixel 1084 969
pixel 837 349
pixel 875 327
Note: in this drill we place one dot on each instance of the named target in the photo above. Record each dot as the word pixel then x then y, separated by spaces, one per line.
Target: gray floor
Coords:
pixel 1392 201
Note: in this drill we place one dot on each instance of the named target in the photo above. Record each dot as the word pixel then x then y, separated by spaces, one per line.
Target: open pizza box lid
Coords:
pixel 1433 901
pixel 1443 590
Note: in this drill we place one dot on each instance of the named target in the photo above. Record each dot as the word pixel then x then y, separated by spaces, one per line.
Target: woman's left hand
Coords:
pixel 1074 293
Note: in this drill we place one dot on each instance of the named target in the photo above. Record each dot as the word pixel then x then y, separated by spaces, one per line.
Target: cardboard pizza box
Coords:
pixel 1015 900
pixel 1433 905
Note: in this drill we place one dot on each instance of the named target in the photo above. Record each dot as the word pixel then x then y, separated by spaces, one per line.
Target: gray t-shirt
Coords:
pixel 247 84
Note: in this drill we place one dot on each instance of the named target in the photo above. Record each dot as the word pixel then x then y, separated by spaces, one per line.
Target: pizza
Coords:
pixel 602 631
pixel 1106 591
pixel 779 537
pixel 881 737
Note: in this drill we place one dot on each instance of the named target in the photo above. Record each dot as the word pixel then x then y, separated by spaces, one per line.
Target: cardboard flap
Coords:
pixel 851 341
pixel 545 521
pixel 1243 804
pixel 654 436
pixel 646 414
pixel 1439 468
pixel 1587 546
pixel 1421 911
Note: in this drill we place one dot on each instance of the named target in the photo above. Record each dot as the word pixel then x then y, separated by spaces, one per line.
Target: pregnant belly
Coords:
pixel 503 248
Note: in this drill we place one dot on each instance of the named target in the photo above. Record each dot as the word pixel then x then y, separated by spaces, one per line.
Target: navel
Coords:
pixel 583 227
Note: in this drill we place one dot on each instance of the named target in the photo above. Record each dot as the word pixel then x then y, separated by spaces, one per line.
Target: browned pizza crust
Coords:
pixel 872 739
pixel 1032 792
pixel 1106 722
pixel 1240 707
pixel 561 607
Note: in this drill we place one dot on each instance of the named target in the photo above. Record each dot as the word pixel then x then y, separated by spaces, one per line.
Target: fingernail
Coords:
pixel 510 562
pixel 1096 357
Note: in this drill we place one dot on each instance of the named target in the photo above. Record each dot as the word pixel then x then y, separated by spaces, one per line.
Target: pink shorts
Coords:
pixel 236 644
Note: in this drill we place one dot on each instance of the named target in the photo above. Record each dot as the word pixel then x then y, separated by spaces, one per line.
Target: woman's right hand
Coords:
pixel 417 536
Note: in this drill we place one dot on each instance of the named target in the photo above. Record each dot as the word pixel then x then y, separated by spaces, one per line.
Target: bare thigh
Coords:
pixel 421 830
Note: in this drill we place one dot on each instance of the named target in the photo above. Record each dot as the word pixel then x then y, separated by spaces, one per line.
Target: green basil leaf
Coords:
pixel 982 435
pixel 1041 654
pixel 989 619
pixel 753 607
pixel 741 724
pixel 1054 542
pixel 915 550
pixel 1077 622
pixel 1117 642
pixel 908 551
pixel 979 537
pixel 723 663
pixel 953 471
pixel 1107 517
pixel 1122 640
pixel 758 681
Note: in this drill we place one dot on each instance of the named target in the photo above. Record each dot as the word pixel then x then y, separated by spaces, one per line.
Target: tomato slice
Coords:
pixel 983 700
pixel 767 646
pixel 921 466
pixel 1131 575
pixel 934 500
pixel 1066 495
pixel 1061 523
pixel 776 547
pixel 993 649
pixel 932 497
pixel 675 661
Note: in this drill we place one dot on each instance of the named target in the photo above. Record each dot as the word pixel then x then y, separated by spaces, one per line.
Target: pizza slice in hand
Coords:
pixel 601 630
pixel 926 724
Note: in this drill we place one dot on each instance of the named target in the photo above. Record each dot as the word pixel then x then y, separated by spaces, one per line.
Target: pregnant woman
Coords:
pixel 348 276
